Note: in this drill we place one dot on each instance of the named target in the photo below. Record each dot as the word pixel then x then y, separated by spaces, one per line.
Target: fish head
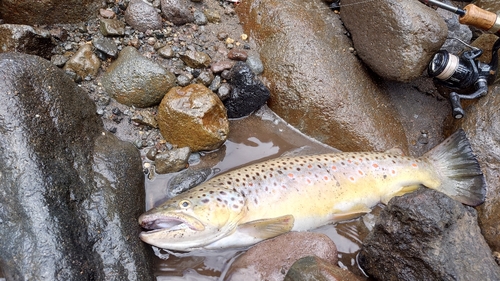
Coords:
pixel 193 219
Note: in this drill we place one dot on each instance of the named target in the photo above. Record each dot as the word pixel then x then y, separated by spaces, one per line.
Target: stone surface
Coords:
pixel 69 192
pixel 142 16
pixel 48 11
pixel 196 59
pixel 177 11
pixel 25 39
pixel 193 117
pixel 172 161
pixel 395 38
pixel 313 268
pixel 271 259
pixel 326 92
pixel 426 235
pixel 482 124
pixel 106 46
pixel 247 93
pixel 134 80
pixel 84 62
pixel 112 27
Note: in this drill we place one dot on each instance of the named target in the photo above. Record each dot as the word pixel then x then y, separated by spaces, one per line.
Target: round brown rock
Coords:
pixel 194 117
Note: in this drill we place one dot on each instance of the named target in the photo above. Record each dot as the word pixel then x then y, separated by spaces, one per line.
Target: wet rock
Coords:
pixel 224 91
pixel 107 13
pixel 166 52
pixel 426 235
pixel 219 66
pixel 84 62
pixel 271 259
pixel 25 39
pixel 142 16
pixel 69 192
pixel 313 268
pixel 48 11
pixel 106 46
pixel 177 11
pixel 248 93
pixel 206 77
pixel 134 80
pixel 213 16
pixel 112 27
pixel 186 180
pixel 145 118
pixel 316 84
pixel 237 54
pixel 193 117
pixel 59 60
pixel 196 59
pixel 172 161
pixel 200 18
pixel 396 39
pixel 482 124
pixel 255 64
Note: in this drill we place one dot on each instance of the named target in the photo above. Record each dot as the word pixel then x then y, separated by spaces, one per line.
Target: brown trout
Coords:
pixel 261 201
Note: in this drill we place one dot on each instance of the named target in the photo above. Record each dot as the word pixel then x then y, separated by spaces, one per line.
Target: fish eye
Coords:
pixel 184 203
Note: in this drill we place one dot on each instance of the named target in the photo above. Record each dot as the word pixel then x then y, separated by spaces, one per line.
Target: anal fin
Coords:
pixel 267 228
pixel 354 212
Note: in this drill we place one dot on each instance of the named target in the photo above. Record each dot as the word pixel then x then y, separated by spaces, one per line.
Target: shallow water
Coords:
pixel 258 137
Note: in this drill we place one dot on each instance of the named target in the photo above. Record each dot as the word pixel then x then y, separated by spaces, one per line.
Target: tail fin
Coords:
pixel 463 179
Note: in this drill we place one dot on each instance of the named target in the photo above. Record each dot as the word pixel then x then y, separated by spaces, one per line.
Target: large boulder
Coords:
pixel 25 39
pixel 316 84
pixel 48 11
pixel 70 193
pixel 395 38
pixel 426 235
pixel 482 124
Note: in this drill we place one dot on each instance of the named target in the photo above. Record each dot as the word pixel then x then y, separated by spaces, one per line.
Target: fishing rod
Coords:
pixel 471 15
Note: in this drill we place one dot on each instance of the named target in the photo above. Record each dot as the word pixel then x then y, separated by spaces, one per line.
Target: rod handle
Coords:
pixel 480 18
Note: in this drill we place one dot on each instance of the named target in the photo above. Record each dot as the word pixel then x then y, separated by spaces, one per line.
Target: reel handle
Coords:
pixel 481 19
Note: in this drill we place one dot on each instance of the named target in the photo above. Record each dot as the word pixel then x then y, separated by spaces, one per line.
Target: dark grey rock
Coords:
pixel 142 16
pixel 177 11
pixel 59 60
pixel 248 93
pixel 396 39
pixel 134 80
pixel 106 46
pixel 426 235
pixel 70 193
pixel 25 39
pixel 186 180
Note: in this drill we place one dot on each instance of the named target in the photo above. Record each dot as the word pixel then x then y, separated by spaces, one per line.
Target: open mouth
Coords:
pixel 156 222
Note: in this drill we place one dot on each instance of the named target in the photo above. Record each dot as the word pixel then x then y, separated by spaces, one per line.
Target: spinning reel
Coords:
pixel 460 73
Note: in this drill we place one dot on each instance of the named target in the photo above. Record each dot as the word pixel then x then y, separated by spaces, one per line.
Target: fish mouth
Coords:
pixel 157 222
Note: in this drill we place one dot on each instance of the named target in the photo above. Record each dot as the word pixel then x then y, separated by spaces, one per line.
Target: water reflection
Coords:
pixel 255 138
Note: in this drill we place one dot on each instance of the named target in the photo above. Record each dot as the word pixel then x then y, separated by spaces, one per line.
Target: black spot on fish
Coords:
pixel 211 192
pixel 280 172
pixel 205 201
pixel 228 182
pixel 298 169
pixel 385 176
pixel 222 193
pixel 218 199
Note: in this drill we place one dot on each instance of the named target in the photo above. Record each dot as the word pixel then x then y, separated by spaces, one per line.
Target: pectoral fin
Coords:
pixel 352 213
pixel 268 228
